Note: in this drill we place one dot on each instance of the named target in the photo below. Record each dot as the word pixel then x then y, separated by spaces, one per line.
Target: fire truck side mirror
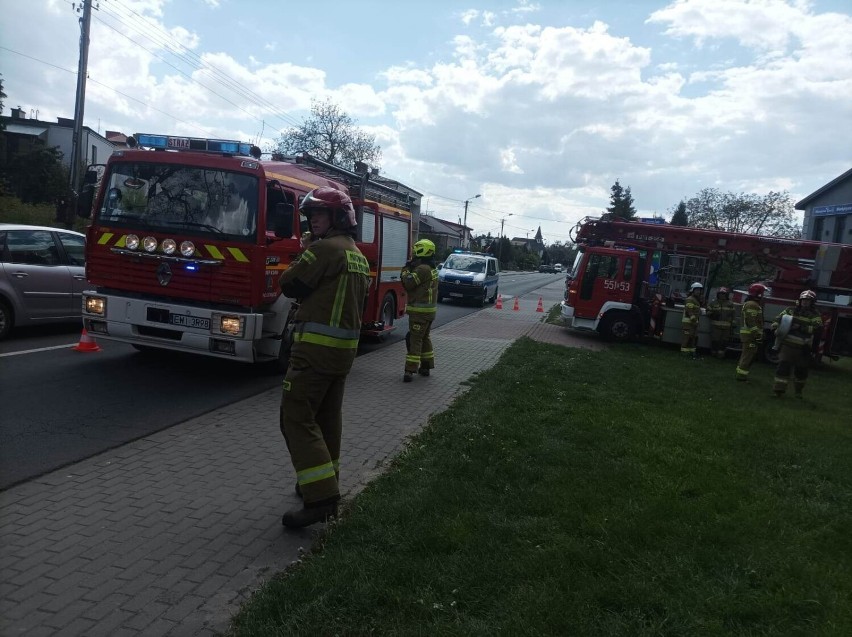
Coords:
pixel 85 201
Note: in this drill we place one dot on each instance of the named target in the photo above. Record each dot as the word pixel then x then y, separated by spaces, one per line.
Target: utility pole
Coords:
pixel 500 239
pixel 82 70
pixel 464 225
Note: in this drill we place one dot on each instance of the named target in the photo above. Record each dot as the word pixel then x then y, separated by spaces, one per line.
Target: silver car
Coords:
pixel 42 275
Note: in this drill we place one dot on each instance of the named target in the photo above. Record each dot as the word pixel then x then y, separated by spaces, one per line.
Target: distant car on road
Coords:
pixel 557 267
pixel 42 275
pixel 546 267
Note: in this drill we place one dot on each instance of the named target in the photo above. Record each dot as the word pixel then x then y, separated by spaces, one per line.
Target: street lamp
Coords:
pixel 464 229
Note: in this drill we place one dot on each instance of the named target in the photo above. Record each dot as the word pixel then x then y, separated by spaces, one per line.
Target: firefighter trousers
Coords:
pixel 795 359
pixel 420 353
pixel 749 352
pixel 312 423
pixel 720 334
pixel 688 337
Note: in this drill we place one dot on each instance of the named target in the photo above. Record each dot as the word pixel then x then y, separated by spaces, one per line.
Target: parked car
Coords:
pixel 546 268
pixel 42 275
pixel 469 275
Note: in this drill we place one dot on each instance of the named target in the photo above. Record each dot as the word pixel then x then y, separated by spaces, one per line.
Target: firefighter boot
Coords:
pixel 423 371
pixel 407 377
pixel 307 515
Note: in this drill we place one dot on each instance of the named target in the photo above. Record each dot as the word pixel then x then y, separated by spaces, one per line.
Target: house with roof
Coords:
pixel 533 246
pixel 22 134
pixel 828 211
pixel 446 235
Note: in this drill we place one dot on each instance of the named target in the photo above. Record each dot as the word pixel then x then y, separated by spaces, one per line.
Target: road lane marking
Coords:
pixel 33 351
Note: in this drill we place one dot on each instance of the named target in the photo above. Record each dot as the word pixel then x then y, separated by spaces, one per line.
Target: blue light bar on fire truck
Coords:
pixel 167 142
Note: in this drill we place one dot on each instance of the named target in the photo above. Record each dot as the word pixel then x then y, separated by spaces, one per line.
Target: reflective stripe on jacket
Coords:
pixel 806 325
pixel 691 310
pixel 752 323
pixel 335 277
pixel 421 283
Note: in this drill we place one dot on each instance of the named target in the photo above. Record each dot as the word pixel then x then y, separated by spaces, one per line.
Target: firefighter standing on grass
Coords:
pixel 330 280
pixel 689 323
pixel 797 344
pixel 420 280
pixel 721 312
pixel 751 329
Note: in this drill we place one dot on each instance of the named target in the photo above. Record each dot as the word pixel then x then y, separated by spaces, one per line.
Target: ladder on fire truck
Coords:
pixel 360 185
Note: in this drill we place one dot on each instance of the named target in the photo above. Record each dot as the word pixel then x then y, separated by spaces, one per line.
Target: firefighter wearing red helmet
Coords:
pixel 420 280
pixel 751 329
pixel 689 323
pixel 797 344
pixel 721 312
pixel 330 280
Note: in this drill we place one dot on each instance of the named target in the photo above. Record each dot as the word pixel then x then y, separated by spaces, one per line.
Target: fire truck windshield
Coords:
pixel 170 196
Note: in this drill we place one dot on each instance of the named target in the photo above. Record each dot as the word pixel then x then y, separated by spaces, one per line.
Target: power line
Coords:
pixel 161 38
pixel 109 88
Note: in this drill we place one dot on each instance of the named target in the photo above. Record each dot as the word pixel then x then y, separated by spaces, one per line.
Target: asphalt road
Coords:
pixel 58 406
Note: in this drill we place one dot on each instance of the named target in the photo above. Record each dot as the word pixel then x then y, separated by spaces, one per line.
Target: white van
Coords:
pixel 469 276
pixel 557 267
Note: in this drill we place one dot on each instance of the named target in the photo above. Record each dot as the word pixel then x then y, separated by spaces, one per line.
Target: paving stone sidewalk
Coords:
pixel 169 534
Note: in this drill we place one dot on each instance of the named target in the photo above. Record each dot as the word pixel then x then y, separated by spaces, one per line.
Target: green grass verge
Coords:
pixel 13 211
pixel 624 492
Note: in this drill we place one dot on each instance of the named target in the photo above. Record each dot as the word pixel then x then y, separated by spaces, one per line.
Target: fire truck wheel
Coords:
pixel 618 326
pixel 388 310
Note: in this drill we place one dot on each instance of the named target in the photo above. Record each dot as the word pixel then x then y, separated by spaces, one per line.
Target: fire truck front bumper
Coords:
pixel 185 328
pixel 570 320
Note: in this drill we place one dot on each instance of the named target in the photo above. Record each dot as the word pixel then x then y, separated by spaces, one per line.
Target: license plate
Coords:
pixel 456 294
pixel 190 321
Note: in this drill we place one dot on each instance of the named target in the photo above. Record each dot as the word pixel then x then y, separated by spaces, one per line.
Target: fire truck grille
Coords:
pixel 228 283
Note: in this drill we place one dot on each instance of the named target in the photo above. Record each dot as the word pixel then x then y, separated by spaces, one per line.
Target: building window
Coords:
pixel 839 228
pixel 94 154
pixel 819 222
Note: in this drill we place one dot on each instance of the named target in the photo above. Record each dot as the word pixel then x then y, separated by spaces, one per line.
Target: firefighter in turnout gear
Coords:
pixel 420 280
pixel 330 280
pixel 689 323
pixel 751 329
pixel 797 344
pixel 721 312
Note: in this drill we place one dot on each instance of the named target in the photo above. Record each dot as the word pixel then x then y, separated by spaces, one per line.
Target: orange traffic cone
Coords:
pixel 517 305
pixel 540 307
pixel 499 304
pixel 86 344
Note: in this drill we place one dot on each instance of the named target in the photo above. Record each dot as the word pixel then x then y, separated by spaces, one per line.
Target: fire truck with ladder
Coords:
pixel 189 237
pixel 630 278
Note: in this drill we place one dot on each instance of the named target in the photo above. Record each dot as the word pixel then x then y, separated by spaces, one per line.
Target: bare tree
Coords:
pixel 771 214
pixel 331 135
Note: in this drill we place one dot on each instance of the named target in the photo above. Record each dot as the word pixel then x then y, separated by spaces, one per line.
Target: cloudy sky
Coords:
pixel 537 105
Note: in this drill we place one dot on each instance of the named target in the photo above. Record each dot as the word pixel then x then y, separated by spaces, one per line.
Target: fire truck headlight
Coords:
pixel 169 246
pixel 95 305
pixel 131 242
pixel 187 248
pixel 149 244
pixel 229 324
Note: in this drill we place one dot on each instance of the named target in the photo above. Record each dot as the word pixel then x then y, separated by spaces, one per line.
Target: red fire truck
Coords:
pixel 189 237
pixel 629 279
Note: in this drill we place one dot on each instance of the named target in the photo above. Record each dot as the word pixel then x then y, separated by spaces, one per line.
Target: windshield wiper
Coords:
pixel 124 217
pixel 194 224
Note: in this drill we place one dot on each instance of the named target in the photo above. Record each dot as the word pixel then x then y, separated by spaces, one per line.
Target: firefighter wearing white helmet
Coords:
pixel 751 329
pixel 689 323
pixel 721 313
pixel 420 280
pixel 798 344
pixel 330 280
